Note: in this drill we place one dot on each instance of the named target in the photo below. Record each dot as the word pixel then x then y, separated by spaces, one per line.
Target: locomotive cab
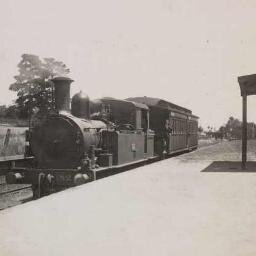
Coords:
pixel 130 140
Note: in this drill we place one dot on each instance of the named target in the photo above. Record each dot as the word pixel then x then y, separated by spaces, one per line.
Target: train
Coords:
pixel 82 140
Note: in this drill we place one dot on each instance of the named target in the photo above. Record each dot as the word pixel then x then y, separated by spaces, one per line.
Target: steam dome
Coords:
pixel 80 105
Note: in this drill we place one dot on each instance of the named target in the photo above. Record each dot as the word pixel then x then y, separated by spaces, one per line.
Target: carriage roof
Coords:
pixel 156 102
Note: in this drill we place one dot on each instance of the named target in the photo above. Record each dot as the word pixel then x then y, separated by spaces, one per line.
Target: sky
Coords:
pixel 189 52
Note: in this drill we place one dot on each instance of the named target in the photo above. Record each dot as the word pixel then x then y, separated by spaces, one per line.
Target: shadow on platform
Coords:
pixel 230 166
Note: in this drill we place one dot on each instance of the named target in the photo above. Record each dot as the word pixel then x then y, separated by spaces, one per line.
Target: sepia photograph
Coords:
pixel 127 128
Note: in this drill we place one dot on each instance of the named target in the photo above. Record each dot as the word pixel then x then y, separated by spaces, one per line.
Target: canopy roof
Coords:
pixel 247 84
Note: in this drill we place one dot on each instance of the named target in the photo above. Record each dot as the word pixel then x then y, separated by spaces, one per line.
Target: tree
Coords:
pixel 223 130
pixel 200 129
pixel 232 129
pixel 32 84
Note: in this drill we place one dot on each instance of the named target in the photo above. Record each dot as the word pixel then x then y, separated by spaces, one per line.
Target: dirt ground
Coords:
pixel 171 207
pixel 207 142
pixel 225 150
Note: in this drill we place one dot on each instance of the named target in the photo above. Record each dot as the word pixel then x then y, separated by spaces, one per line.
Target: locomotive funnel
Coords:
pixel 62 93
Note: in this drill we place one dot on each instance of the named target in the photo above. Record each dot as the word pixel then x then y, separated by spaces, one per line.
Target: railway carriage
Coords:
pixel 175 127
pixel 93 139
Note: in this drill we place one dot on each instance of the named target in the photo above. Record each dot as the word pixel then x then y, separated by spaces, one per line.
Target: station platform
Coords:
pixel 173 207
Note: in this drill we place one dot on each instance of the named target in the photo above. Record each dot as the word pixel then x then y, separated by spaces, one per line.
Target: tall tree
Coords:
pixel 232 129
pixel 33 85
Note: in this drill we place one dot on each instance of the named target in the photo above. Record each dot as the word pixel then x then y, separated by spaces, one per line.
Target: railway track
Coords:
pixel 7 189
pixel 11 195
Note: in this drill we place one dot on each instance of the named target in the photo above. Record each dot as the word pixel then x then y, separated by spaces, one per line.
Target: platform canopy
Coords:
pixel 247 84
pixel 248 87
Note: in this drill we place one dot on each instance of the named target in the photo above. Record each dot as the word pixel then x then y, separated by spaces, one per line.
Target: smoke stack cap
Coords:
pixel 62 78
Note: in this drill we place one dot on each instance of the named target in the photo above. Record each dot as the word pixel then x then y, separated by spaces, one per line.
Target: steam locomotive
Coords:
pixel 72 146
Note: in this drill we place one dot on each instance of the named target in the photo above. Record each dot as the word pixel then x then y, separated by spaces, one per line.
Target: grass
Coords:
pixel 12 140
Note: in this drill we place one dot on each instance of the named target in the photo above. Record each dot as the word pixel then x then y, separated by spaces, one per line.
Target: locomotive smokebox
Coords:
pixel 80 105
pixel 62 93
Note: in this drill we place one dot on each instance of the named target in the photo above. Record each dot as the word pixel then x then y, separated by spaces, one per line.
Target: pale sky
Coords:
pixel 189 52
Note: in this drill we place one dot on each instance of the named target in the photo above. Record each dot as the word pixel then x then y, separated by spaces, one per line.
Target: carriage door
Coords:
pixel 145 127
pixel 170 131
pixel 189 131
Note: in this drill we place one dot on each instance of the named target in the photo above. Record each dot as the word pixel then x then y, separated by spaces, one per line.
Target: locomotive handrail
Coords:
pixel 128 127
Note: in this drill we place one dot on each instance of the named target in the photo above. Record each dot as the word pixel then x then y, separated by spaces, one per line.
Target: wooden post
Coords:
pixel 244 132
